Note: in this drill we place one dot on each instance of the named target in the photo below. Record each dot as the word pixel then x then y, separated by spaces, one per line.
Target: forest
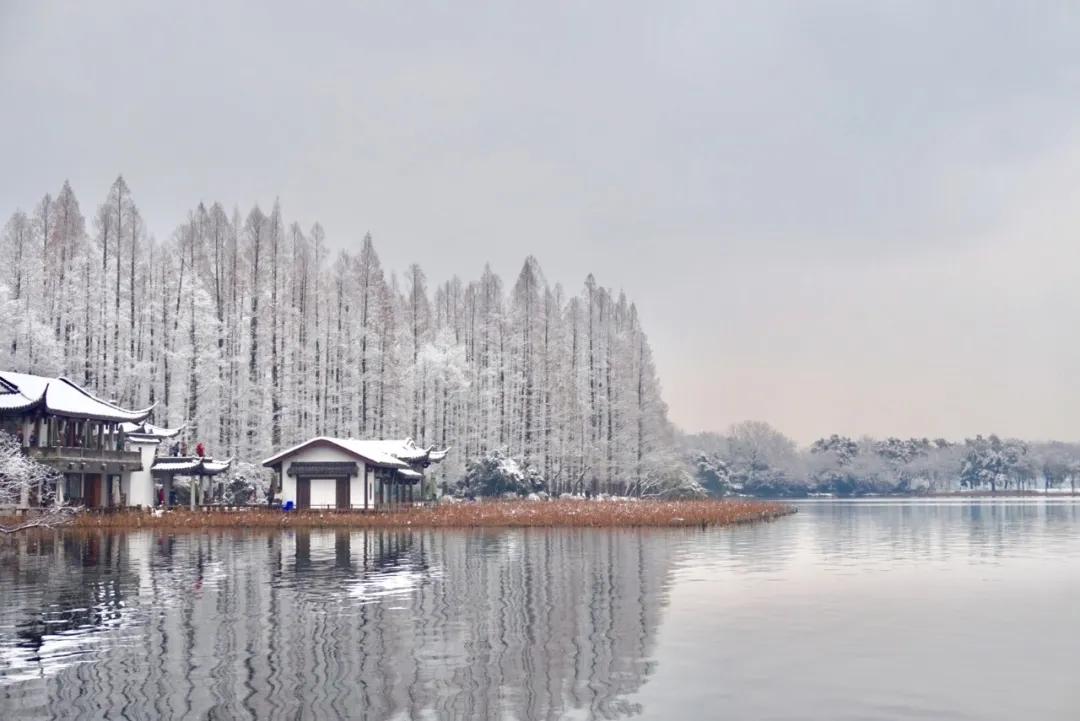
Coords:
pixel 257 334
pixel 753 458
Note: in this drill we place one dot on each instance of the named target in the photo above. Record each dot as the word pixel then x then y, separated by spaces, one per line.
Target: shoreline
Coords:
pixel 907 496
pixel 464 515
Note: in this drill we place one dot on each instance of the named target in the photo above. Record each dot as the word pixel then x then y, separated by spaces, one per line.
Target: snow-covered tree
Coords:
pixel 246 328
pixel 991 461
pixel 665 475
pixel 762 458
pixel 22 478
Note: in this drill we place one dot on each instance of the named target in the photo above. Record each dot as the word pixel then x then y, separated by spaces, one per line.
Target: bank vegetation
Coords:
pixel 480 514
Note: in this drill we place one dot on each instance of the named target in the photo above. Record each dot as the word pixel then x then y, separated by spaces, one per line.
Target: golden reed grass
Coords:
pixel 489 514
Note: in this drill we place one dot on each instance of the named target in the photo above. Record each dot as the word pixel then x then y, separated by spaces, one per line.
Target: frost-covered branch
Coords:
pixel 22 478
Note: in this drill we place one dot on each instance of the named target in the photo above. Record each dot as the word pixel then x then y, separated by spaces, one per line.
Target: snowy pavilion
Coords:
pixel 76 433
pixel 197 468
pixel 350 474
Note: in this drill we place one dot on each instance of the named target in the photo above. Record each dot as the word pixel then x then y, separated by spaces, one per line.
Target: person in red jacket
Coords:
pixel 200 450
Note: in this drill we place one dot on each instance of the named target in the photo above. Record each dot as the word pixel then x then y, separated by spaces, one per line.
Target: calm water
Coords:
pixel 862 610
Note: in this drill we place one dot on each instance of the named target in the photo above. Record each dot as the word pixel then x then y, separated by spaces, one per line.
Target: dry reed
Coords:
pixel 490 514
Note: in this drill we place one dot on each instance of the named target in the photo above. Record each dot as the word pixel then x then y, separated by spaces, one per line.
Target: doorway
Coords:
pixel 303 493
pixel 342 493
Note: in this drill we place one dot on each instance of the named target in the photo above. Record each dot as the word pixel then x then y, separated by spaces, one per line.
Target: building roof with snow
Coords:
pixel 403 455
pixel 21 392
pixel 14 400
pixel 148 433
pixel 189 466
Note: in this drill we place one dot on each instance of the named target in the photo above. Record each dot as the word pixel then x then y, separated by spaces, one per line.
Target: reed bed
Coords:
pixel 488 514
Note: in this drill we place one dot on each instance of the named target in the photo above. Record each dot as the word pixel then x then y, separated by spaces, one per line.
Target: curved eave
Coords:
pixel 118 414
pixel 135 416
pixel 150 431
pixel 28 404
pixel 216 467
pixel 143 438
pixel 414 457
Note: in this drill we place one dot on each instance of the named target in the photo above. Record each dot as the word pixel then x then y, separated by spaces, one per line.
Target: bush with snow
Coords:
pixel 498 474
pixel 245 483
pixel 665 475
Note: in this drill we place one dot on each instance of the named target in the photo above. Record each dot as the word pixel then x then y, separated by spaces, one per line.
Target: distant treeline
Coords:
pixel 756 459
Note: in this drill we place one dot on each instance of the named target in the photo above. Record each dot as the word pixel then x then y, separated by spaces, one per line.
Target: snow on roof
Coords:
pixel 64 398
pixel 374 452
pixel 385 453
pixel 216 466
pixel 12 399
pixel 409 473
pixel 175 465
pixel 193 465
pixel 149 430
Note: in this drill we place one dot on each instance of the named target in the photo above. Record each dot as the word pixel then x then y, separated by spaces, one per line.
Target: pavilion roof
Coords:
pixel 13 399
pixel 61 397
pixel 189 466
pixel 148 432
pixel 399 454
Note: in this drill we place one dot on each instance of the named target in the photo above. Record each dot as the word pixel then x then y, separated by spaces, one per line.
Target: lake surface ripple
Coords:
pixel 951 609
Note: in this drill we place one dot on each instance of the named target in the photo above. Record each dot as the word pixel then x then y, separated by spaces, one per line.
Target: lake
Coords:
pixel 908 609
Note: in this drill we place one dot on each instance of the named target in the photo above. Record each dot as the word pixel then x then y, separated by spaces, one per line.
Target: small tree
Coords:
pixel 762 458
pixel 244 483
pixel 497 474
pixel 665 475
pixel 22 477
pixel 712 473
pixel 991 461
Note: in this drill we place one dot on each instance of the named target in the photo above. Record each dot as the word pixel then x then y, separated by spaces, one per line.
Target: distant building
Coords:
pixel 200 470
pixel 345 473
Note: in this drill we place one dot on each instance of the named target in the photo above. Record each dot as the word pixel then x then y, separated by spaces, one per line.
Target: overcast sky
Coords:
pixel 837 217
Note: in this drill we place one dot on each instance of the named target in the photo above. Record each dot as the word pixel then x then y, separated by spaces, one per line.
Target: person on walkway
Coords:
pixel 200 450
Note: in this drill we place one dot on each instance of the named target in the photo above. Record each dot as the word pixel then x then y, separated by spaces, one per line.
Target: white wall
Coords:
pixel 139 485
pixel 322 454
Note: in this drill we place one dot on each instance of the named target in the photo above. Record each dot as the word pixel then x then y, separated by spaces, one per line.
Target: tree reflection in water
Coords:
pixel 536 624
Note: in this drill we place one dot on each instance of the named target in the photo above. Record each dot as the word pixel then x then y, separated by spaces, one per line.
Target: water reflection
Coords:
pixel 868 610
pixel 325 624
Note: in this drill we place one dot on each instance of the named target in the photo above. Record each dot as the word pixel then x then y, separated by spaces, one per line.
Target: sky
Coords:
pixel 837 217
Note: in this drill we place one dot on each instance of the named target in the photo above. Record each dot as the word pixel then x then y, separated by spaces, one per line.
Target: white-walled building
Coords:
pixel 108 456
pixel 64 426
pixel 350 474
